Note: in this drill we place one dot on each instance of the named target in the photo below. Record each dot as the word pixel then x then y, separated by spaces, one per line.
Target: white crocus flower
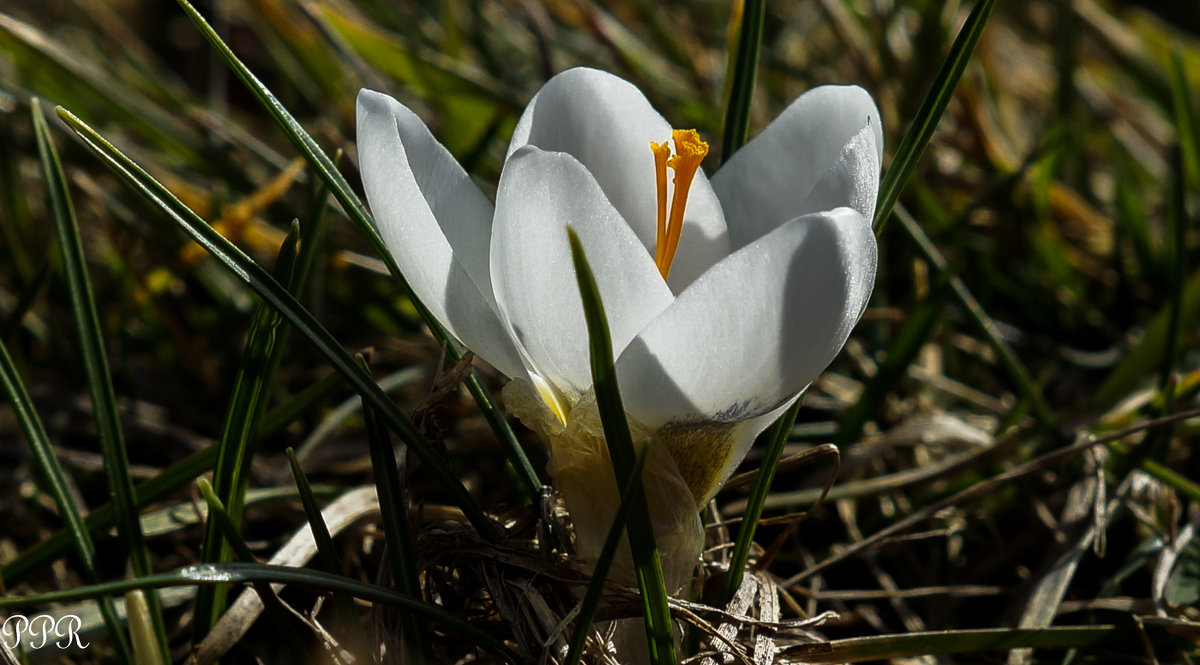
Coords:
pixel 725 297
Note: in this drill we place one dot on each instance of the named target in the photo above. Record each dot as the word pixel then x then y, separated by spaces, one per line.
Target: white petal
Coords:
pixel 781 173
pixel 607 124
pixel 435 222
pixel 755 329
pixel 540 193
pixel 852 181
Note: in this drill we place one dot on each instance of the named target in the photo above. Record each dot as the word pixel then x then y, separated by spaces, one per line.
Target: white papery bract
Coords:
pixel 774 266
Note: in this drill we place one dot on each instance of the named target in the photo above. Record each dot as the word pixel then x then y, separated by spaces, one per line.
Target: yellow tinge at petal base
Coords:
pixel 685 465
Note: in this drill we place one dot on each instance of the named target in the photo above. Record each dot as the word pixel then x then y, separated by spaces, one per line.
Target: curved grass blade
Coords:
pixel 280 617
pixel 100 388
pixel 758 497
pixel 266 287
pixel 646 561
pixel 249 573
pixel 743 71
pixel 912 146
pixel 330 561
pixel 354 208
pixel 393 509
pixel 76 533
pixel 591 599
pixel 239 433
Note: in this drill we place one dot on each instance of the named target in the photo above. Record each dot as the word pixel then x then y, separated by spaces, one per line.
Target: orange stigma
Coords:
pixel 689 152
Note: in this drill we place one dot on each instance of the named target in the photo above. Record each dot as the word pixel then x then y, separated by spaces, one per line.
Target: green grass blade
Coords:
pixel 393 509
pixel 354 208
pixel 743 73
pixel 104 398
pixel 358 643
pixel 266 287
pixel 239 433
pixel 249 573
pixel 76 533
pixel 646 561
pixel 595 590
pixel 279 615
pixel 912 146
pixel 758 497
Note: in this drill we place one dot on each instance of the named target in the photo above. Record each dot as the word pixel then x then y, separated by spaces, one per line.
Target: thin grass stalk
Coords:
pixel 266 287
pixel 646 561
pixel 239 434
pixel 393 509
pixel 758 497
pixel 278 614
pixel 350 621
pixel 249 573
pixel 915 140
pixel 76 532
pixel 354 208
pixel 95 362
pixel 743 73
